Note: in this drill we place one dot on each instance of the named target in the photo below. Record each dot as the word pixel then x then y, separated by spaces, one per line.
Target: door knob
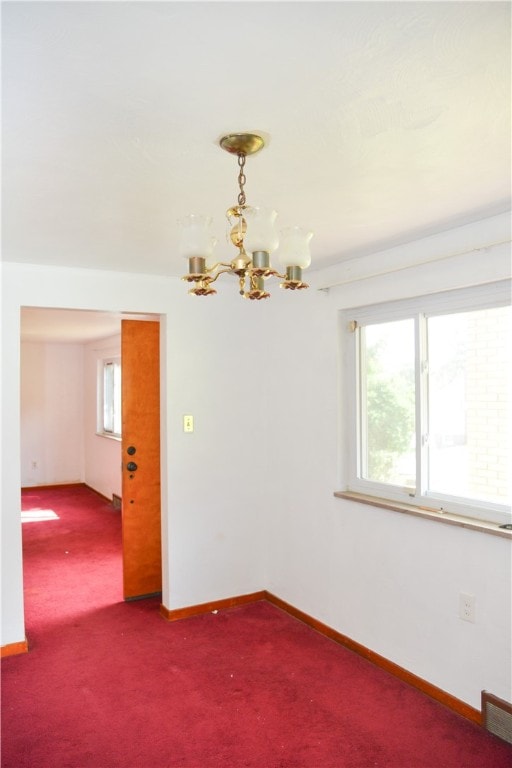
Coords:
pixel 131 466
pixel 130 450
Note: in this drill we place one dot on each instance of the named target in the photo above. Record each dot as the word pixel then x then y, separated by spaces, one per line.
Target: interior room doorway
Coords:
pixel 54 327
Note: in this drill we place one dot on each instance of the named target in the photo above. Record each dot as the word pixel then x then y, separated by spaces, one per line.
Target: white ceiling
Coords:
pixel 387 121
pixel 72 326
pixel 67 325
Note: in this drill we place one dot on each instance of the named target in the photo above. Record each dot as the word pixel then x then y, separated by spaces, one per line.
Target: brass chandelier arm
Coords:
pixel 276 274
pixel 206 276
pixel 219 273
pixel 250 272
pixel 216 266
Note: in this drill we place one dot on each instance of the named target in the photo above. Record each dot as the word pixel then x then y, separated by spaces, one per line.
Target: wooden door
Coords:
pixel 141 522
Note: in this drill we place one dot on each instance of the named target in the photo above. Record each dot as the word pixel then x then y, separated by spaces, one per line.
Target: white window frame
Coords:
pixel 101 425
pixel 449 302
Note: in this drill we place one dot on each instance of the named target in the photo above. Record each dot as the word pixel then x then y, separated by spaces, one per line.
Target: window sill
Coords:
pixel 109 437
pixel 430 514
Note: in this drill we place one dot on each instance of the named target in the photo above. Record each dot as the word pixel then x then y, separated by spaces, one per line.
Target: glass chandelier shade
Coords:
pixel 252 230
pixel 196 238
pixel 293 248
pixel 261 234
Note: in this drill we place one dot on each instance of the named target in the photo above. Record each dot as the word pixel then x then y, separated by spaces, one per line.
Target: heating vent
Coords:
pixel 497 716
pixel 116 501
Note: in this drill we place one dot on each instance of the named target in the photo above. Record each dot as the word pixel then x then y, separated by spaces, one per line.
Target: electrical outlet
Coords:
pixel 34 465
pixel 467 607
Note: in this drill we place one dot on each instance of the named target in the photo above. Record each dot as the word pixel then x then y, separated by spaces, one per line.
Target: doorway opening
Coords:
pixel 60 443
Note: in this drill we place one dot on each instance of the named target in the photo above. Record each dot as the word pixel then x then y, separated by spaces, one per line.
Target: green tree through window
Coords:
pixel 389 403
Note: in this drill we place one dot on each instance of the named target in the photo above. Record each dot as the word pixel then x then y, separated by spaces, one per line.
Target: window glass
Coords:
pixel 388 403
pixel 469 405
pixel 112 397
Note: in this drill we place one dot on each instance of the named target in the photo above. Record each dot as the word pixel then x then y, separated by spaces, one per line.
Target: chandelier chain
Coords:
pixel 241 179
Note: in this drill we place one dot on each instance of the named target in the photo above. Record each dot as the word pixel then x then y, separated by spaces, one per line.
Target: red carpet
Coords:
pixel 109 684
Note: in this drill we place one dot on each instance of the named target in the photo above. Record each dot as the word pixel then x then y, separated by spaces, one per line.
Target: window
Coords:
pixel 110 401
pixel 428 401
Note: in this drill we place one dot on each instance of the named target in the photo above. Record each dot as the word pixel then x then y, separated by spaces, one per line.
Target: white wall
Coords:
pixel 247 497
pixel 58 395
pixel 102 455
pixel 216 475
pixel 52 427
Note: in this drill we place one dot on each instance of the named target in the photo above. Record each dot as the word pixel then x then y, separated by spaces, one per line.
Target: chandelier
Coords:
pixel 252 231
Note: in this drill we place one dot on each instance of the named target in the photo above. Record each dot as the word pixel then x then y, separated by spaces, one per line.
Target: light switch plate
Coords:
pixel 188 423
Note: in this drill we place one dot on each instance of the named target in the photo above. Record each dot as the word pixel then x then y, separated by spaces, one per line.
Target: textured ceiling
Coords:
pixel 387 121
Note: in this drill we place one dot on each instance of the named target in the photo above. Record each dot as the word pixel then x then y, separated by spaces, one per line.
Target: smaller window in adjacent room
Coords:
pixel 428 401
pixel 110 406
